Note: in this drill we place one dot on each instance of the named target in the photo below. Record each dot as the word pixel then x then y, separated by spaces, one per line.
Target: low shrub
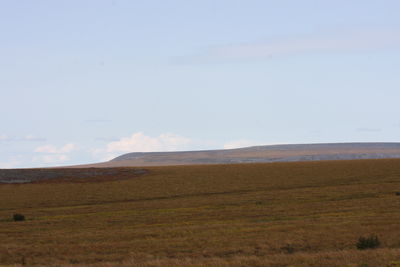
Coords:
pixel 368 242
pixel 18 217
pixel 288 249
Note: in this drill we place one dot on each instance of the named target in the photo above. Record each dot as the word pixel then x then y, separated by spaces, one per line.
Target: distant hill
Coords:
pixel 270 153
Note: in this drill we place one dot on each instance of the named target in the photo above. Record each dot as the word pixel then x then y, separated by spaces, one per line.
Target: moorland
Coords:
pixel 255 214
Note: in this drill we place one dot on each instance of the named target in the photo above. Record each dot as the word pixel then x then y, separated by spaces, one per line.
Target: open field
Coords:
pixel 279 214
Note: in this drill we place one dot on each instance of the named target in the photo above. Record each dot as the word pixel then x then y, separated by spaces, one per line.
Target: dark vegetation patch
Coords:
pixel 17 217
pixel 288 249
pixel 368 242
pixel 76 175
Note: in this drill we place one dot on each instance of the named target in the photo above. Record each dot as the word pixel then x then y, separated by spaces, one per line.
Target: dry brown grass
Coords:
pixel 218 215
pixel 349 258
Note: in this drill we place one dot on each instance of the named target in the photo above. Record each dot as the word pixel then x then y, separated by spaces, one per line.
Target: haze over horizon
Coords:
pixel 85 81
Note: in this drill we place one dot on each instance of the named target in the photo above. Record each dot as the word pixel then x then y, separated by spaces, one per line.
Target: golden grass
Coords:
pixel 216 215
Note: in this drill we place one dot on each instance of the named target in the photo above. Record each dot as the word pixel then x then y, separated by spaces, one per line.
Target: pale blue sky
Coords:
pixel 83 81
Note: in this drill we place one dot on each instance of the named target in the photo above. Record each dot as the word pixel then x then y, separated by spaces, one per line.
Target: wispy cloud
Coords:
pixel 50 149
pixel 34 138
pixel 101 154
pixel 140 142
pixel 344 41
pixel 51 154
pixel 13 161
pixel 49 159
pixel 239 144
pixel 9 164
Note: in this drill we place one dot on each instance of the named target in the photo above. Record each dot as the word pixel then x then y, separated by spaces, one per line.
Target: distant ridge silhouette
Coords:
pixel 268 153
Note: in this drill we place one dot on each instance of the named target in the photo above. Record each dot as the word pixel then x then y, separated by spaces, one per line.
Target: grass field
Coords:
pixel 280 214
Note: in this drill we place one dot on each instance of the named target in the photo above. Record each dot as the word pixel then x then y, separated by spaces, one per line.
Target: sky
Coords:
pixel 83 81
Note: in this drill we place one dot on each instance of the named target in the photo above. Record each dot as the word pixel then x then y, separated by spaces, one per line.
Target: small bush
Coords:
pixel 368 242
pixel 18 217
pixel 288 249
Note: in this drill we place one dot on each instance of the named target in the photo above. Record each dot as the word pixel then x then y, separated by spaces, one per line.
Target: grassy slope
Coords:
pixel 218 214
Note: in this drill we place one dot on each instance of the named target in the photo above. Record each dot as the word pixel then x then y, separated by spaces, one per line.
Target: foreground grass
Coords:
pixel 281 214
pixel 347 258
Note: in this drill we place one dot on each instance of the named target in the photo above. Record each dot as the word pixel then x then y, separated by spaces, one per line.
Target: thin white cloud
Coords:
pixel 239 144
pixel 50 149
pixel 33 138
pixel 101 154
pixel 55 158
pixel 354 41
pixel 54 154
pixel 3 137
pixel 139 142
